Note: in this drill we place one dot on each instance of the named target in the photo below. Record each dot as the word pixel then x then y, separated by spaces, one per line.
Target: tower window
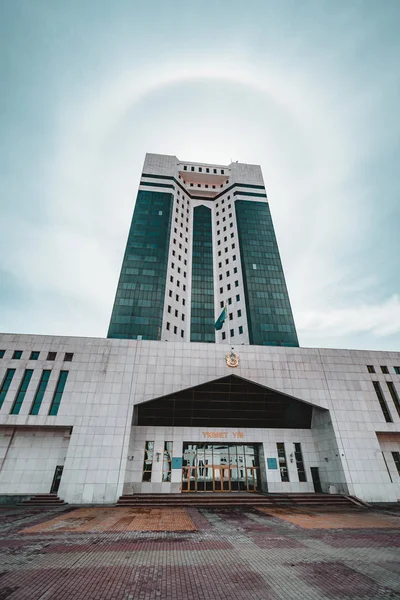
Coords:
pixel 371 369
pixel 51 355
pixel 240 329
pixel 382 402
pixel 232 332
pixel 223 335
pixel 237 298
pixel 17 354
pixel 168 326
pixel 385 370
pixel 239 313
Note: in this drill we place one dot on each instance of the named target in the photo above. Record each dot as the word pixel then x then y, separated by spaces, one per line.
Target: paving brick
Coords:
pixel 195 554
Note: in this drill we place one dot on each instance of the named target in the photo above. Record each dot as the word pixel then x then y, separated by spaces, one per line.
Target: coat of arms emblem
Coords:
pixel 232 359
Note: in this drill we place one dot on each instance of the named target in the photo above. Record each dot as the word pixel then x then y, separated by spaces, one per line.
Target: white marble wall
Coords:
pixel 108 377
pixel 29 457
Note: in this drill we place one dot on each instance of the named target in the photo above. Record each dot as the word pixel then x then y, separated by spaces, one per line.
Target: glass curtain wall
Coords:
pixel 269 313
pixel 139 301
pixel 202 308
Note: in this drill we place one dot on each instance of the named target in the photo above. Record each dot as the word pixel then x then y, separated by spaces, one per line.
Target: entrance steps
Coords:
pixel 241 499
pixel 44 500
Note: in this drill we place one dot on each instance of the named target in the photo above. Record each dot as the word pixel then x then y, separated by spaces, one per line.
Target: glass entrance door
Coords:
pixel 188 479
pixel 220 467
pixel 222 480
pixel 251 478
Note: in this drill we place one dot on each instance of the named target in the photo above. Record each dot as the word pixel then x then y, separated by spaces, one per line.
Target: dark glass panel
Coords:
pixel 202 313
pixel 139 301
pixel 254 407
pixel 269 313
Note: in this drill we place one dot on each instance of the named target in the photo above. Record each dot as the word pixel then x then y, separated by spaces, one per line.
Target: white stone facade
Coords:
pixel 212 186
pixel 93 436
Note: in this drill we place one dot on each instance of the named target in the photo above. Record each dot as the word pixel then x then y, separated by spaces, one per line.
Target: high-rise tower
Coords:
pixel 202 238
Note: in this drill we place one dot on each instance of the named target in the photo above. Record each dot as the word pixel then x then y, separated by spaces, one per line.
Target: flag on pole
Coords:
pixel 221 319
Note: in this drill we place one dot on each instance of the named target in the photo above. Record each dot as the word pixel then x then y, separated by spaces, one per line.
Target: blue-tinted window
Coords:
pixel 34 355
pixel 139 301
pixel 202 310
pixel 37 401
pixel 17 354
pixel 269 314
pixel 2 353
pixel 55 403
pixel 5 385
pixel 19 398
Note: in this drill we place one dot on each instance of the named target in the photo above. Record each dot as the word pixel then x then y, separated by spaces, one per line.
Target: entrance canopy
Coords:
pixel 227 402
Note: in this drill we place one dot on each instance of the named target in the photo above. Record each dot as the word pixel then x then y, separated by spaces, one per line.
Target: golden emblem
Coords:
pixel 232 359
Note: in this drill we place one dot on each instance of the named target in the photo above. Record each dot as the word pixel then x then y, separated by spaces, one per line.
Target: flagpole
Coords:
pixel 229 331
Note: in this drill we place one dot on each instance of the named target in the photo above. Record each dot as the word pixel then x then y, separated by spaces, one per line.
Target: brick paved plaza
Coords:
pixel 187 553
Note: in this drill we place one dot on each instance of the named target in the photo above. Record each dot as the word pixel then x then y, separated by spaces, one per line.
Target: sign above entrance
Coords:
pixel 223 435
pixel 177 462
pixel 272 463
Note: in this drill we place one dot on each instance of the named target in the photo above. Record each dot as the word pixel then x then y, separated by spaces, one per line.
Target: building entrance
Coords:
pixel 220 468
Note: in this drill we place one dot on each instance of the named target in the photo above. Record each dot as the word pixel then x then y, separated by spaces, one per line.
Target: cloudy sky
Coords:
pixel 310 90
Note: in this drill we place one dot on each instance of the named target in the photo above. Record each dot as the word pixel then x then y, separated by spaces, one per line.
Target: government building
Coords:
pixel 200 385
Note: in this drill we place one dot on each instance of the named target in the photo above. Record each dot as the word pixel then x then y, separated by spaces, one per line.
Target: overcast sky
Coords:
pixel 309 90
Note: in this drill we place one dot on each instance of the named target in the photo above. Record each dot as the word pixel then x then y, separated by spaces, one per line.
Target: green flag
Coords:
pixel 221 319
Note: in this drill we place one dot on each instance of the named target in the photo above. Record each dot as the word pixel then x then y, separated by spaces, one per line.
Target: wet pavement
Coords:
pixel 206 553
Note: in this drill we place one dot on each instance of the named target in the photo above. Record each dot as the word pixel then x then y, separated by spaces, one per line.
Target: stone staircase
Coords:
pixel 243 499
pixel 46 500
